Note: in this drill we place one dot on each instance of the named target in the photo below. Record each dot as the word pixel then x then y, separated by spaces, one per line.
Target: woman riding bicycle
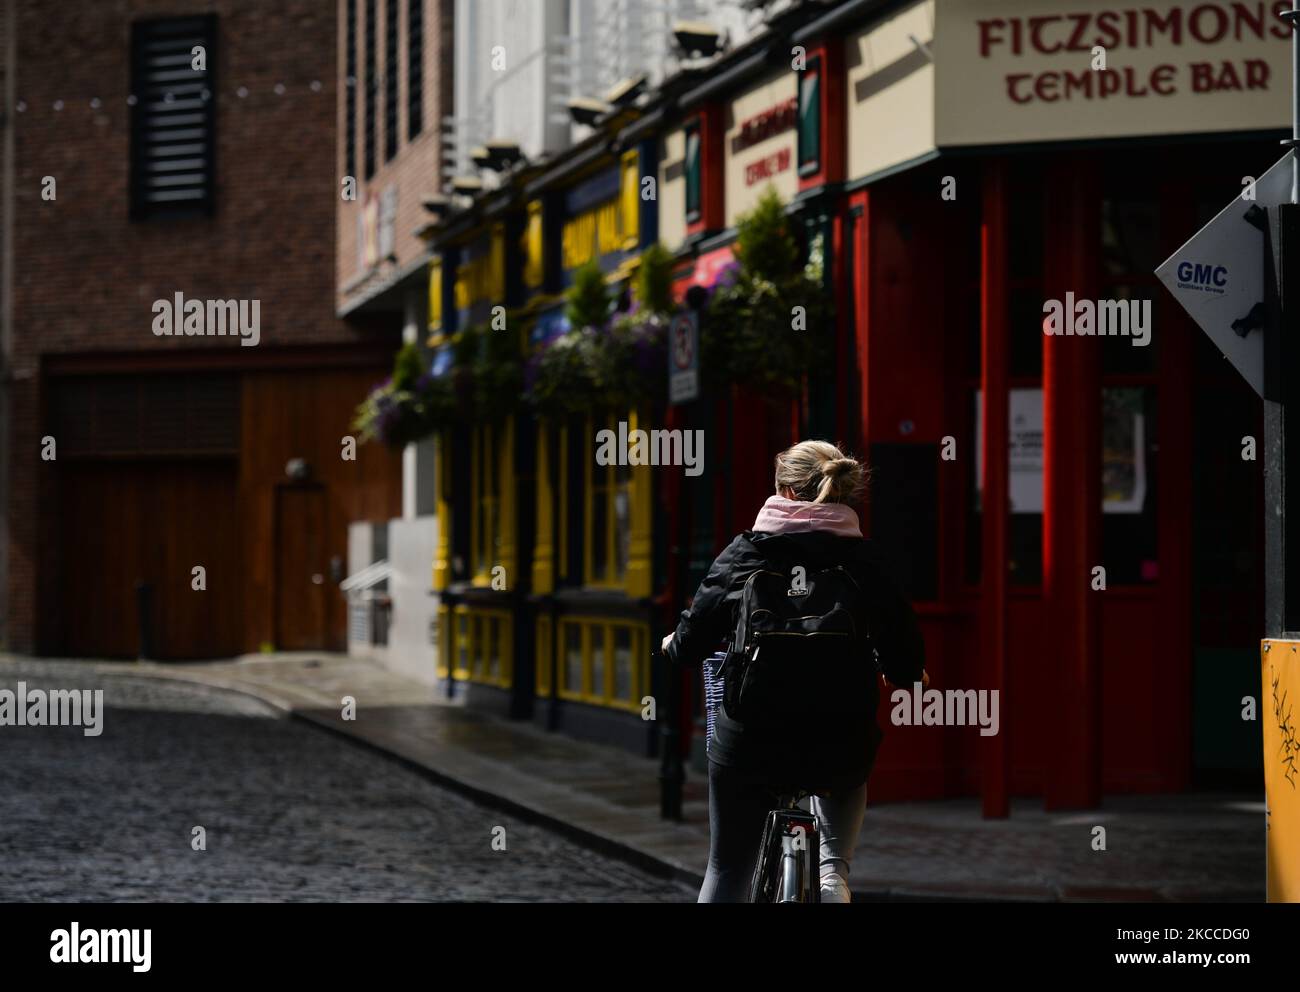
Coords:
pixel 808 528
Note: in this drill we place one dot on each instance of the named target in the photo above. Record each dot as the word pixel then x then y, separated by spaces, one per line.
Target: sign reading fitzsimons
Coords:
pixel 1030 70
pixel 759 146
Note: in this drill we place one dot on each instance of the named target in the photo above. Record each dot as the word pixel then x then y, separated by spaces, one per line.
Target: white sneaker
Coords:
pixel 834 888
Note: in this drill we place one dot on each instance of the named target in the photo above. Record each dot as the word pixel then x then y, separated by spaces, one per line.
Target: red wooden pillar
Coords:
pixel 995 402
pixel 1072 493
pixel 861 276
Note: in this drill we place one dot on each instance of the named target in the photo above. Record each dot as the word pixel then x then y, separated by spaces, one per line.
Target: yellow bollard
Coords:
pixel 1280 713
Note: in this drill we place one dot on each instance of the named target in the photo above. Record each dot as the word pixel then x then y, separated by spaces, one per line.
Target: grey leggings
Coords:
pixel 738 808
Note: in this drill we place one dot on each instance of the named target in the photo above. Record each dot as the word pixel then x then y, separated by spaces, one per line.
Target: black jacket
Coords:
pixel 711 617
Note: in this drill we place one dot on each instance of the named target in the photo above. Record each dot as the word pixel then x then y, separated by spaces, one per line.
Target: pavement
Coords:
pixel 196 794
pixel 1180 848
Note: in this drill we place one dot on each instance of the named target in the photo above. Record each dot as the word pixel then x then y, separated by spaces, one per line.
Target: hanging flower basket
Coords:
pixel 481 381
pixel 766 318
pixel 564 378
pixel 764 334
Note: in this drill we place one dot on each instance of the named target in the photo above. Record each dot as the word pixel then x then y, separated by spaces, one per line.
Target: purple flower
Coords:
pixel 532 368
pixel 726 276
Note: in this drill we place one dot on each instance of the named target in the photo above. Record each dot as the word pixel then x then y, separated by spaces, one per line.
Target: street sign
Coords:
pixel 684 357
pixel 1218 276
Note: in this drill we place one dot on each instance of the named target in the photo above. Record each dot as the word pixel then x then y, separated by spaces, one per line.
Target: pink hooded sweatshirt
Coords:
pixel 792 516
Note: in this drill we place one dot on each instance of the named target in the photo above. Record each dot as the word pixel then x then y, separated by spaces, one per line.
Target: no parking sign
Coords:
pixel 684 357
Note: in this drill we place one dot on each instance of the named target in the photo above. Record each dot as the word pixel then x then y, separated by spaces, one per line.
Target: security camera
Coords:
pixel 503 154
pixel 697 38
pixel 585 110
pixel 436 205
pixel 625 92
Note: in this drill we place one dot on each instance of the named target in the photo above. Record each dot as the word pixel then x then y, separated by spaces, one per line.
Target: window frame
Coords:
pixel 414 68
pixel 693 174
pixel 608 491
pixel 392 70
pixel 603 629
pixel 370 150
pixel 809 159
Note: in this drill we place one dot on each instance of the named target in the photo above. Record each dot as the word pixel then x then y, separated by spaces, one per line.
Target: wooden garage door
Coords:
pixel 132 522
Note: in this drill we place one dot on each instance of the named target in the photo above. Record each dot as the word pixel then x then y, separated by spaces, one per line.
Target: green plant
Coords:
pixel 765 246
pixel 654 279
pixel 408 365
pixel 588 299
pixel 566 374
pixel 482 382
pixel 495 370
pixel 769 326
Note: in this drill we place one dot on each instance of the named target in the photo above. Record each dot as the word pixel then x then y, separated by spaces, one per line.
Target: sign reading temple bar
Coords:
pixel 1021 70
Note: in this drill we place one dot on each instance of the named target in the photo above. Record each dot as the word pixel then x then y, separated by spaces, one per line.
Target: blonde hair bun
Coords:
pixel 820 472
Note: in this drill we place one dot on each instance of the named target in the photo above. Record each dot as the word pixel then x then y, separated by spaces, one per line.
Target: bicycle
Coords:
pixel 789 856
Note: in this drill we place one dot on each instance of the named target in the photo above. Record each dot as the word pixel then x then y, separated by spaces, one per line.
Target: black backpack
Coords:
pixel 800 674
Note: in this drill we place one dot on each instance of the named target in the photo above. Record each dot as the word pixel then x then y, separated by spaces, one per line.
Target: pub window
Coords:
pixel 810 117
pixel 390 80
pixel 608 531
pixel 461 671
pixel 372 87
pixel 904 508
pixel 545 646
pixel 604 661
pixel 486 649
pixel 1130 252
pixel 414 68
pixel 173 118
pixel 488 492
pixel 692 169
pixel 571 675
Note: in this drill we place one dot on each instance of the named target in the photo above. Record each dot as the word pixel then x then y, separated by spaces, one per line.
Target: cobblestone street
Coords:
pixel 290 813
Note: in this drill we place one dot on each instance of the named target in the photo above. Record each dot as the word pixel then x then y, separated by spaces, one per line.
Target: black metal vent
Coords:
pixel 173 117
pixel 415 68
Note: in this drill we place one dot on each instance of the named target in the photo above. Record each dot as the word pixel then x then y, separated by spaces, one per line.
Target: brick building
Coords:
pixel 156 149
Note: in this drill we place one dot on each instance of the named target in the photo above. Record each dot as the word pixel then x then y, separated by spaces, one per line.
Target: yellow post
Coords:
pixel 639 582
pixel 544 552
pixel 1280 667
pixel 442 546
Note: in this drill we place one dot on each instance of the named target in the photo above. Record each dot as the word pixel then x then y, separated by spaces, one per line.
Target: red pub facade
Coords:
pixel 959 165
pixel 1076 517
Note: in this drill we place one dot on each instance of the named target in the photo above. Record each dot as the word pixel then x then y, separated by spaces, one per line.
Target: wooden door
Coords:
pixel 130 522
pixel 302 580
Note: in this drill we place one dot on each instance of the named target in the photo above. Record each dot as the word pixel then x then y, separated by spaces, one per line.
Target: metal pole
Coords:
pixel 1282 382
pixel 1292 16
